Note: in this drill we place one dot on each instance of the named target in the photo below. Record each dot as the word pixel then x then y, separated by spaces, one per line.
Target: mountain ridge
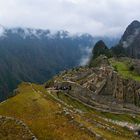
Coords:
pixel 36 59
pixel 36 55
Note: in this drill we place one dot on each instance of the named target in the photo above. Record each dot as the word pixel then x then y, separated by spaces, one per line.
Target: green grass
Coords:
pixel 95 116
pixel 121 117
pixel 41 115
pixel 40 112
pixel 73 102
pixel 122 67
pixel 86 109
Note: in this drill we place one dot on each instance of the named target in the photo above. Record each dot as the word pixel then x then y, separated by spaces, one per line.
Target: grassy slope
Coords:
pixel 117 117
pixel 39 111
pixel 96 118
pixel 123 69
pixel 40 115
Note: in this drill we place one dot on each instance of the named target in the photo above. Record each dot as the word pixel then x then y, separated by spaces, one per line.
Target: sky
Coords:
pixel 97 17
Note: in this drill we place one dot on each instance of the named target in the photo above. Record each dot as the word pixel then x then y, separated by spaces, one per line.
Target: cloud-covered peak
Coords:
pixel 99 18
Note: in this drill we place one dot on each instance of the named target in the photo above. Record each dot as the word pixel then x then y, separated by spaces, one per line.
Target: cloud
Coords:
pixel 98 17
pixel 87 53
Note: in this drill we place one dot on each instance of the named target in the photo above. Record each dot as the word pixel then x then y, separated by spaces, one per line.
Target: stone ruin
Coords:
pixel 101 84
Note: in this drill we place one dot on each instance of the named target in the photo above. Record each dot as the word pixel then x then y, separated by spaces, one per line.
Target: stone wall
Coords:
pixel 124 90
pixel 75 90
pixel 104 82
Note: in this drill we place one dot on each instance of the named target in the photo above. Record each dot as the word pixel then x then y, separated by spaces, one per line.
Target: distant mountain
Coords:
pixel 109 41
pixel 129 44
pixel 35 55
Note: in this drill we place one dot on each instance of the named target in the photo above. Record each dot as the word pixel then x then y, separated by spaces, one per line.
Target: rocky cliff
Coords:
pixel 129 44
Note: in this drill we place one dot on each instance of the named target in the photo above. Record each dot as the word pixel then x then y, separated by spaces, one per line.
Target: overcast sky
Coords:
pixel 98 17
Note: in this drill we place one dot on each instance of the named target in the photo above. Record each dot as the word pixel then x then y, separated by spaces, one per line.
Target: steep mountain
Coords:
pixel 99 49
pixel 129 44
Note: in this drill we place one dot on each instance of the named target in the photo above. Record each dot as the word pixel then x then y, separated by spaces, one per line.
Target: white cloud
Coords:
pixel 98 17
pixel 86 57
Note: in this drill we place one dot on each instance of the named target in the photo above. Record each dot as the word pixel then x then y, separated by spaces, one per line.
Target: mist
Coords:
pixel 87 53
pixel 99 18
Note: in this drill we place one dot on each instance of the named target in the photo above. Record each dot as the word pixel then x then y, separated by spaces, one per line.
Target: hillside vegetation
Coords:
pixel 125 68
pixel 50 117
pixel 41 114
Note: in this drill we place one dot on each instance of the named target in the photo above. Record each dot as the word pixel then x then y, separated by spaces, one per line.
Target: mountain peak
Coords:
pixel 135 23
pixel 130 40
pixel 100 45
pixel 100 49
pixel 132 32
